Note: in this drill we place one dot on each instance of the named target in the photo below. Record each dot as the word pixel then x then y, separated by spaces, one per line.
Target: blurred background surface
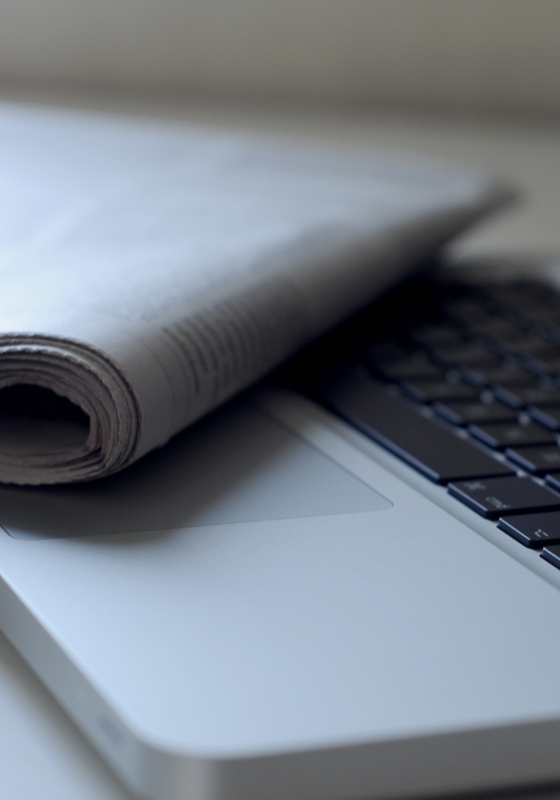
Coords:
pixel 483 56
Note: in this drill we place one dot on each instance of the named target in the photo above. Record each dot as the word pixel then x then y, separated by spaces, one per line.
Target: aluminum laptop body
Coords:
pixel 277 606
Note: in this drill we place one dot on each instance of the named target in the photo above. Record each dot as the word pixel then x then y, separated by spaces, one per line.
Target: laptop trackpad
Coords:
pixel 237 466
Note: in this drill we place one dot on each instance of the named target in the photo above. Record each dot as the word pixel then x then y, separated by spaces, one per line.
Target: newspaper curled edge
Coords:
pixel 94 434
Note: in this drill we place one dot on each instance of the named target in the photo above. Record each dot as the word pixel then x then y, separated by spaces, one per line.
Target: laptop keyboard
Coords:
pixel 462 383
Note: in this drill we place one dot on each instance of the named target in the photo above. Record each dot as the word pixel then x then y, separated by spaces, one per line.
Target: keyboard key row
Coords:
pixel 527 511
pixel 487 364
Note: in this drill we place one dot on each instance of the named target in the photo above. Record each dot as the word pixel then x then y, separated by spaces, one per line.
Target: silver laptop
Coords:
pixel 344 584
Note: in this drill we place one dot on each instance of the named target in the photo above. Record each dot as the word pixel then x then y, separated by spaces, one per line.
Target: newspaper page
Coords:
pixel 150 271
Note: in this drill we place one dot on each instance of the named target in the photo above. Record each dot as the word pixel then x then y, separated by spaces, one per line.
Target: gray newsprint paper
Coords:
pixel 149 271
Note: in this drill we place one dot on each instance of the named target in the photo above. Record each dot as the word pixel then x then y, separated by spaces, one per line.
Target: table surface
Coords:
pixel 42 754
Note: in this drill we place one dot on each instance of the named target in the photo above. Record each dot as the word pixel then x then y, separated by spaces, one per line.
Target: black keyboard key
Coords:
pixel 493 496
pixel 465 413
pixel 536 460
pixel 554 481
pixel 552 365
pixel 533 530
pixel 530 345
pixel 466 311
pixel 536 347
pixel 549 366
pixel 417 366
pixel 435 452
pixel 470 354
pixel 550 417
pixel 508 375
pixel 436 335
pixel 386 349
pixel 500 435
pixel 552 555
pixel 528 396
pixel 432 391
pixel 496 328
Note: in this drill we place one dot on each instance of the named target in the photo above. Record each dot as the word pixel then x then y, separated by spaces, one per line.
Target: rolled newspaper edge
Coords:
pixel 72 415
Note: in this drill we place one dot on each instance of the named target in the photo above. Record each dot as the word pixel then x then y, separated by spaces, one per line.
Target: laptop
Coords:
pixel 344 584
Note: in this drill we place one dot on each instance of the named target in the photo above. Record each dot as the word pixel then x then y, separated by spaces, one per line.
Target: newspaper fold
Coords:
pixel 151 271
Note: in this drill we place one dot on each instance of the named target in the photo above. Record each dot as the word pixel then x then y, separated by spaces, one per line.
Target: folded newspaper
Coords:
pixel 149 271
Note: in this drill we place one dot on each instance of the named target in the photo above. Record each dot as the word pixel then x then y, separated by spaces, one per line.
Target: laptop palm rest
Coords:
pixel 373 651
pixel 239 466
